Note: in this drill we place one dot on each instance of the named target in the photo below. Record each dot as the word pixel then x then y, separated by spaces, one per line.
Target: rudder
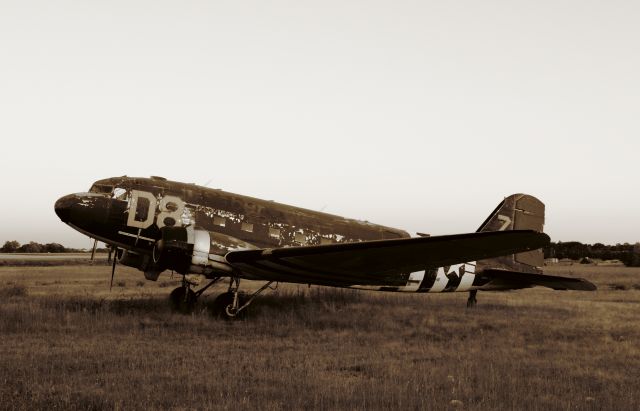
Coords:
pixel 517 212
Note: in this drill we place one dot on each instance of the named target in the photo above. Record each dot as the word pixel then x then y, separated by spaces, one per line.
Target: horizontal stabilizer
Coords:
pixel 550 281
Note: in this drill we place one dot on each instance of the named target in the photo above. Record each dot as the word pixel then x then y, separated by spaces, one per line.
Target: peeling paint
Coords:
pixel 187 216
pixel 204 207
pixel 236 218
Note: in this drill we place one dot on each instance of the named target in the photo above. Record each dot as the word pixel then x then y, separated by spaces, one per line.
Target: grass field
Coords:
pixel 66 342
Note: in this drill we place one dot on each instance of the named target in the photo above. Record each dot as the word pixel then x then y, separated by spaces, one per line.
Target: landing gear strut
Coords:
pixel 231 305
pixel 471 301
pixel 183 299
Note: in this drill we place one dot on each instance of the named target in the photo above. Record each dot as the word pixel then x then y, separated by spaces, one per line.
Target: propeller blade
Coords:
pixel 93 250
pixel 113 269
pixel 109 257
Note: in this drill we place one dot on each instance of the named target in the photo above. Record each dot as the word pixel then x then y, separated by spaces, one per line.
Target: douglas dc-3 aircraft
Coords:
pixel 156 225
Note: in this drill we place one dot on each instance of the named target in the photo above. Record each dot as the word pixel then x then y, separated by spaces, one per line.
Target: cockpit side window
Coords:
pixel 120 193
pixel 101 189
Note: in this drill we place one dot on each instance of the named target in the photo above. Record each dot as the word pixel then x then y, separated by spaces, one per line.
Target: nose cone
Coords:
pixel 63 207
pixel 83 210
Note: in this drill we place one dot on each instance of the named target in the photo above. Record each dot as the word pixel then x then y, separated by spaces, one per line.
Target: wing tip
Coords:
pixel 543 280
pixel 587 285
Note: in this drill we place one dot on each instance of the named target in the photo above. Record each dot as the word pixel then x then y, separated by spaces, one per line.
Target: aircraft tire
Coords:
pixel 222 303
pixel 181 303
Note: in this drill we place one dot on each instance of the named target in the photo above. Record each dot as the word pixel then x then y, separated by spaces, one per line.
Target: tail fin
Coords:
pixel 516 212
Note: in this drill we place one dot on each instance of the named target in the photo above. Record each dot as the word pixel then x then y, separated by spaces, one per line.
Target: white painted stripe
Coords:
pixel 414 281
pixel 136 236
pixel 441 281
pixel 191 237
pixel 469 275
pixel 201 247
pixel 466 282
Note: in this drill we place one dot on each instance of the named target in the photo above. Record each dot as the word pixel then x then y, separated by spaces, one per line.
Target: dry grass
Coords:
pixel 50 259
pixel 67 343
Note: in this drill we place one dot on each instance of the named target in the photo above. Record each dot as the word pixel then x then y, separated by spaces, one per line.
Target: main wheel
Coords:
pixel 183 300
pixel 222 307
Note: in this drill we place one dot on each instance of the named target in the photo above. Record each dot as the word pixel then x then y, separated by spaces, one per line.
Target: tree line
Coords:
pixel 34 247
pixel 629 254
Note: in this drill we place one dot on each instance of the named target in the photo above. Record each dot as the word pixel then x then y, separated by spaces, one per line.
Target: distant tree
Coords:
pixel 32 247
pixel 627 253
pixel 10 247
pixel 54 248
pixel 635 256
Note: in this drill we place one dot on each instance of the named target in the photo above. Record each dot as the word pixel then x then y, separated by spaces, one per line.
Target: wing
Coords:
pixel 523 280
pixel 380 262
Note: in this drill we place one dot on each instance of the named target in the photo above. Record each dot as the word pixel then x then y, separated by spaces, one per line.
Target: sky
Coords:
pixel 420 115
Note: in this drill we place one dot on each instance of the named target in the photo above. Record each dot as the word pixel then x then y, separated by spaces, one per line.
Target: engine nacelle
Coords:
pixel 131 259
pixel 188 250
pixel 142 262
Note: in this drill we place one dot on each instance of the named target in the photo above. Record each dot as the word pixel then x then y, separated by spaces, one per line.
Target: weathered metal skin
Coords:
pixel 164 225
pixel 204 207
pixel 130 212
pixel 93 214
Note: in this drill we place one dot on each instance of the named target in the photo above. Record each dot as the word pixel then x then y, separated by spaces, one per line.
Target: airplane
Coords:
pixel 154 225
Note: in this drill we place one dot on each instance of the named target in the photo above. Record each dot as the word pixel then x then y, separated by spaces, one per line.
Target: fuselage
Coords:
pixel 134 214
pixel 129 212
pixel 156 225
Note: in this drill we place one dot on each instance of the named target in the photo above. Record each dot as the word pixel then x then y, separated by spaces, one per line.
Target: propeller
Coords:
pixel 113 268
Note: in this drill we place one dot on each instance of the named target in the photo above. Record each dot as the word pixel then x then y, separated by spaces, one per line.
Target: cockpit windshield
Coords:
pixel 101 189
pixel 115 192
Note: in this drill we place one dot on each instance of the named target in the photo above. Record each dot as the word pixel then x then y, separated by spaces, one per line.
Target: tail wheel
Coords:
pixel 472 301
pixel 183 300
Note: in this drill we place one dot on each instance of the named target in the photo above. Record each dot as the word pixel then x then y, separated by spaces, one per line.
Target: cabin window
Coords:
pixel 221 221
pixel 300 238
pixel 326 241
pixel 274 232
pixel 248 227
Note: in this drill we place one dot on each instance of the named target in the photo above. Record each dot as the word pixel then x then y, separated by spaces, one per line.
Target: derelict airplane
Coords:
pixel 156 225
